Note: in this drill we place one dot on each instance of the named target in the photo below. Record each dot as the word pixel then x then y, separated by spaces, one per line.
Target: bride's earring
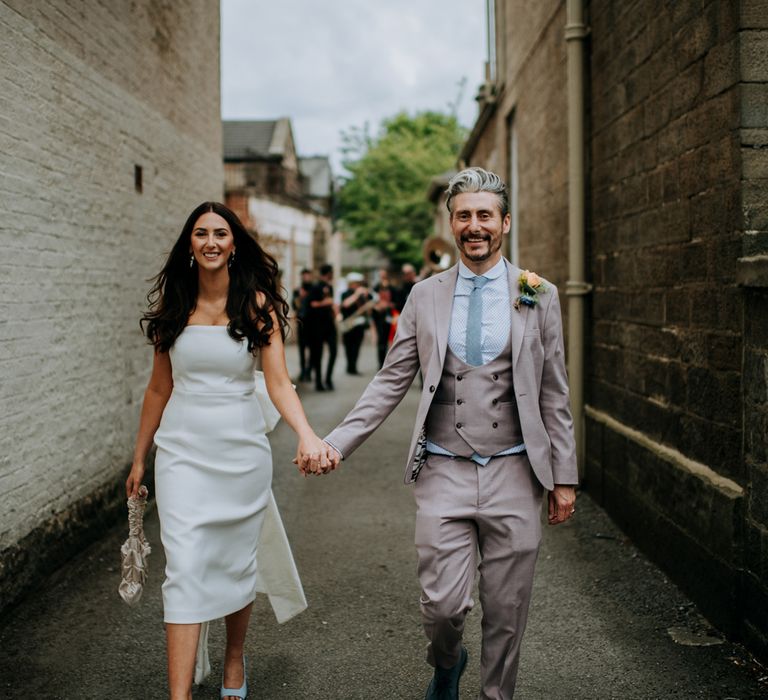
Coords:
pixel 231 260
pixel 191 260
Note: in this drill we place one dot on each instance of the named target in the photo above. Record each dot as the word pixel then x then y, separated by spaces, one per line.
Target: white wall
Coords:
pixel 285 232
pixel 84 97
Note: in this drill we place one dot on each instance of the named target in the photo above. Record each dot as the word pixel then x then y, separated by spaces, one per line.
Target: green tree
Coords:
pixel 383 201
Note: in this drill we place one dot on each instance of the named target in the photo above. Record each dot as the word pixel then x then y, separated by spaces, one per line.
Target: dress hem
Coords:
pixel 188 617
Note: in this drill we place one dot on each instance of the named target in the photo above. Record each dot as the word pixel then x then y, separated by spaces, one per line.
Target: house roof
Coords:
pixel 255 139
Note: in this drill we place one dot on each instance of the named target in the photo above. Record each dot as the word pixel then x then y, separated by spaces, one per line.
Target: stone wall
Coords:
pixel 753 137
pixel 755 566
pixel 671 199
pixel 677 227
pixel 110 133
pixel 666 225
pixel 267 177
pixel 531 99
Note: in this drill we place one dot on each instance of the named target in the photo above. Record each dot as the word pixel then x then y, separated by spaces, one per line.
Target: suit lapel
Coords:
pixel 443 299
pixel 519 316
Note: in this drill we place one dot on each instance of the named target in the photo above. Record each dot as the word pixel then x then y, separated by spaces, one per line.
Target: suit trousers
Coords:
pixel 469 517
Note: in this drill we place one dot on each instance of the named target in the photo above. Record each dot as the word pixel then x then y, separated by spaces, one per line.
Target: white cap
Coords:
pixel 355 277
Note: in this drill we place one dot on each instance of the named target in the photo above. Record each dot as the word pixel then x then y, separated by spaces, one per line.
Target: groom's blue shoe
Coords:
pixel 445 682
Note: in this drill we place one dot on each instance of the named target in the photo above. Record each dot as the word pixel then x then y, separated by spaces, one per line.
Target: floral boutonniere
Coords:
pixel 531 285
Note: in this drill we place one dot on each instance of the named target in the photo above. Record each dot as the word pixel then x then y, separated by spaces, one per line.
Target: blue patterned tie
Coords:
pixel 475 322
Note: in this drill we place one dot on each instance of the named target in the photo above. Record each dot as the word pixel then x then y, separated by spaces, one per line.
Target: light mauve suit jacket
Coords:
pixel 541 383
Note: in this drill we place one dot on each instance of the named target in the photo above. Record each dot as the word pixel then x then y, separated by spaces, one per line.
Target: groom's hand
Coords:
pixel 329 461
pixel 562 500
pixel 334 457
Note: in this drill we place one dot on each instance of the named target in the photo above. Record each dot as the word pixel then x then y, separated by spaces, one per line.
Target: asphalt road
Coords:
pixel 599 626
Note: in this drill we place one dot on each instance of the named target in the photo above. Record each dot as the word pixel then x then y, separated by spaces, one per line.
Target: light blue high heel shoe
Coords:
pixel 242 691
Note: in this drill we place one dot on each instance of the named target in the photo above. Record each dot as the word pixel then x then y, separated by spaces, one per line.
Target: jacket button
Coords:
pixel 432 389
pixel 495 401
pixel 459 378
pixel 495 425
pixel 495 377
pixel 458 425
pixel 459 401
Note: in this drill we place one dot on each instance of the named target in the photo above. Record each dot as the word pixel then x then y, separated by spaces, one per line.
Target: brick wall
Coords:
pixel 754 174
pixel 267 177
pixel 755 597
pixel 89 91
pixel 532 99
pixel 676 343
pixel 677 337
pixel 666 224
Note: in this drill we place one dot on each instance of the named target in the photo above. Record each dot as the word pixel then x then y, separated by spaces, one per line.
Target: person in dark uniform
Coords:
pixel 409 278
pixel 321 327
pixel 354 303
pixel 300 302
pixel 383 313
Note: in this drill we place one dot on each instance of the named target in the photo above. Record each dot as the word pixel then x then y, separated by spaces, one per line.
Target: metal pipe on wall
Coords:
pixel 576 288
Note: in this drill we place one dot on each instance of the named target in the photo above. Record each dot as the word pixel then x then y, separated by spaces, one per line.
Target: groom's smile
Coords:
pixel 478 229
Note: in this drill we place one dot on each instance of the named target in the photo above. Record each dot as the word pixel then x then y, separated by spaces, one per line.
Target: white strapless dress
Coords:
pixel 213 475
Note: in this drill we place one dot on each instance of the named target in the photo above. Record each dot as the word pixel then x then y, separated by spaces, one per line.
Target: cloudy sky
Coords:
pixel 340 63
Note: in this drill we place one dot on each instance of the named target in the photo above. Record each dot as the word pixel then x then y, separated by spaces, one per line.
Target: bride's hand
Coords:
pixel 314 456
pixel 134 479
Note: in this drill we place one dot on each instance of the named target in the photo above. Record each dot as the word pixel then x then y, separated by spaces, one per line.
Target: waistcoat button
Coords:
pixel 495 425
pixel 495 401
pixel 459 378
pixel 458 425
pixel 459 401
pixel 495 377
pixel 432 389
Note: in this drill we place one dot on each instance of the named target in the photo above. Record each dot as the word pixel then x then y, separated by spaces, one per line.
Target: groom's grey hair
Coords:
pixel 478 180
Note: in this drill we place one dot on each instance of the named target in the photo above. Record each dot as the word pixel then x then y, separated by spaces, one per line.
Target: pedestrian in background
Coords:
pixel 300 302
pixel 407 281
pixel 355 303
pixel 321 328
pixel 383 313
pixel 493 434
pixel 215 309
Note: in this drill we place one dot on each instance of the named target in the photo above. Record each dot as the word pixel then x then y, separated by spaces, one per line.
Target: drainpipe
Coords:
pixel 576 288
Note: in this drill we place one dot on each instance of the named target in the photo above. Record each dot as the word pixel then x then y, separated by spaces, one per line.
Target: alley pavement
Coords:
pixel 604 624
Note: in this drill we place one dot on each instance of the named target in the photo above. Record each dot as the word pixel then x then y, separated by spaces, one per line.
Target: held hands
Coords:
pixel 561 504
pixel 315 456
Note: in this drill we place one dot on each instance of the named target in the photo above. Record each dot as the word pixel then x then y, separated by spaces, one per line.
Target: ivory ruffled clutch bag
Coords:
pixel 135 550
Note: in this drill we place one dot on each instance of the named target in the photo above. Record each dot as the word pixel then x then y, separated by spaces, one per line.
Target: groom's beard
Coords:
pixel 480 253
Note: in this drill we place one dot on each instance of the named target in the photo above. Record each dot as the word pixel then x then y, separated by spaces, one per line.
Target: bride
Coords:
pixel 214 311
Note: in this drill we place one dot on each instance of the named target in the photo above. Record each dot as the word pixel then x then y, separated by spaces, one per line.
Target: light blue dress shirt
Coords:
pixel 495 331
pixel 496 312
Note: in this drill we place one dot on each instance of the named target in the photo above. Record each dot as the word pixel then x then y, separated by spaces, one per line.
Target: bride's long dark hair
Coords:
pixel 173 296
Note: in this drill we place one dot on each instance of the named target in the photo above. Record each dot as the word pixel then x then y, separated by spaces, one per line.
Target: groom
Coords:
pixel 493 432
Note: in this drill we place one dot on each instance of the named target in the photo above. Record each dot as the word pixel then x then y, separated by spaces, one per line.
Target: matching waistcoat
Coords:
pixel 474 408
